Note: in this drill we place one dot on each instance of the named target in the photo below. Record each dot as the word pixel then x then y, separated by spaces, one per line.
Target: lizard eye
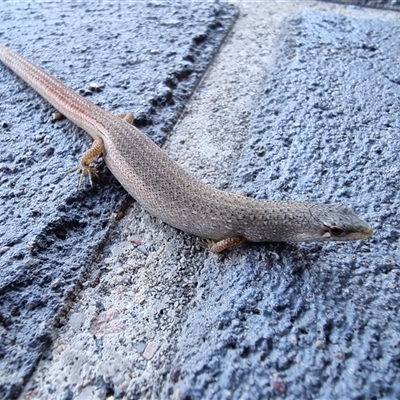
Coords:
pixel 335 231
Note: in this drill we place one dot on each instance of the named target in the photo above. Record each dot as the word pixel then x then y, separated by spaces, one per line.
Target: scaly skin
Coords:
pixel 168 192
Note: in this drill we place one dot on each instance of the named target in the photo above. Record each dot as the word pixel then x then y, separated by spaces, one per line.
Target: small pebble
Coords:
pixel 150 350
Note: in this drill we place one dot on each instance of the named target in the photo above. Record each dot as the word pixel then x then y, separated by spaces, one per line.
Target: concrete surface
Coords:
pixel 297 104
pixel 386 4
pixel 148 57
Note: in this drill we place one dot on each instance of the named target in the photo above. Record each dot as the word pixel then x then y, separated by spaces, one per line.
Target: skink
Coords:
pixel 168 192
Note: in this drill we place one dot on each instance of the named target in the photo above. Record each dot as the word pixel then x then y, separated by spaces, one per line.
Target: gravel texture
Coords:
pixel 298 104
pixel 310 321
pixel 147 57
pixel 386 4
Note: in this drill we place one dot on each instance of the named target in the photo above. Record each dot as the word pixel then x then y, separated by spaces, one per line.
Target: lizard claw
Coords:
pixel 207 244
pixel 85 170
pixel 87 158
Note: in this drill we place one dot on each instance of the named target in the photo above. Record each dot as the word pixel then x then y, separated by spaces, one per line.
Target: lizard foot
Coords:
pixel 87 158
pixel 88 170
pixel 221 245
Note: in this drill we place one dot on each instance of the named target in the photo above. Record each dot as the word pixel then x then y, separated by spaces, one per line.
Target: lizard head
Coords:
pixel 339 223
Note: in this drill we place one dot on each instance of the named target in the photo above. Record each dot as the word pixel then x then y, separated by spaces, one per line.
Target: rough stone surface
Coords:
pixel 307 320
pixel 266 321
pixel 386 4
pixel 148 57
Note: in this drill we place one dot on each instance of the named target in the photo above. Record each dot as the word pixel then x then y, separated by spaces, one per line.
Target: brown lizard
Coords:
pixel 168 192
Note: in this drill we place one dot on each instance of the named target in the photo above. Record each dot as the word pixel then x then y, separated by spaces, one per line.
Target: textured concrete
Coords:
pixel 309 320
pixel 386 4
pixel 299 105
pixel 148 57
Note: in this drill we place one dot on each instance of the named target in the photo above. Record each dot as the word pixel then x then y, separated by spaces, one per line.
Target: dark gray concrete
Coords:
pixel 384 4
pixel 310 321
pixel 149 57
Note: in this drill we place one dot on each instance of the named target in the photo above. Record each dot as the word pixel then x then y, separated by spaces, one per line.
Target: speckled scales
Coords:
pixel 168 192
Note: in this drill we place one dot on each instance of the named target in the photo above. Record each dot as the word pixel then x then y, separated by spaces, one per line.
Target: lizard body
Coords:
pixel 168 192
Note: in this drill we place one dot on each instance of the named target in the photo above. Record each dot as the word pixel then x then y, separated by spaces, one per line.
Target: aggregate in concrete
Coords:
pixel 168 320
pixel 384 4
pixel 306 321
pixel 148 57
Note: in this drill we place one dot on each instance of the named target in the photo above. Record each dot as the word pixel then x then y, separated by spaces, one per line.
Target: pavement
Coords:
pixel 300 102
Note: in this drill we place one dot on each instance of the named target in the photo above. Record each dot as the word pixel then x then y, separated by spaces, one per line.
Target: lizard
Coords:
pixel 167 191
